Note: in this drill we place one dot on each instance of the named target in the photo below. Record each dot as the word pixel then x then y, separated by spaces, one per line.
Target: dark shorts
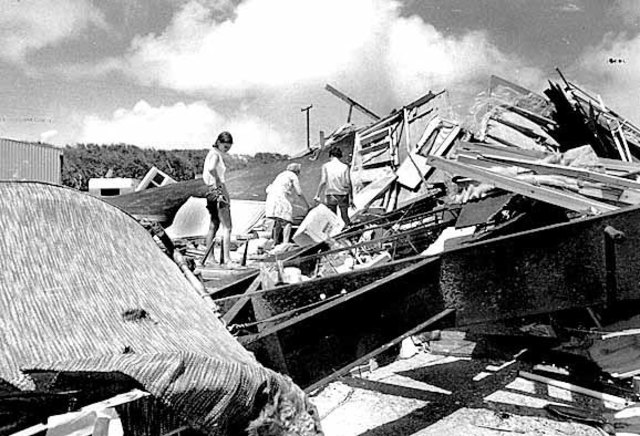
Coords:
pixel 333 200
pixel 338 204
pixel 218 205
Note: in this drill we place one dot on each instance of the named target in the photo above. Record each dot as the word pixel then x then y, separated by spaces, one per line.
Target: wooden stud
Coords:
pixel 228 317
pixel 573 388
pixel 568 201
pixel 561 170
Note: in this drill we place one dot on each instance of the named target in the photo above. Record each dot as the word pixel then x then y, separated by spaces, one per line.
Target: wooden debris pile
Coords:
pixel 428 190
pixel 565 148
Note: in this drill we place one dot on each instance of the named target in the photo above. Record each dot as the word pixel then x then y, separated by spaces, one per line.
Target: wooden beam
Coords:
pixel 345 369
pixel 422 115
pixel 499 150
pixel 561 170
pixel 538 119
pixel 242 302
pixel 393 117
pixel 371 192
pixel 625 144
pixel 374 136
pixel 573 202
pixel 418 230
pixel 573 388
pixel 526 131
pixel 351 102
pixel 618 165
pixel 423 100
pixel 246 340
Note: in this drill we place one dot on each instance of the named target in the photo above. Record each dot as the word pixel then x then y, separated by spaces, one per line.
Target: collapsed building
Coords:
pixel 528 209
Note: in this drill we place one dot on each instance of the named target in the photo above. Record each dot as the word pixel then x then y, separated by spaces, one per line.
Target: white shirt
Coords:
pixel 336 175
pixel 285 184
pixel 220 168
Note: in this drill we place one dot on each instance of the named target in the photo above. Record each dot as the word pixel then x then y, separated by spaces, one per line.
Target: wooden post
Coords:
pixel 307 109
pixel 208 251
pixel 611 237
pixel 246 251
pixel 636 384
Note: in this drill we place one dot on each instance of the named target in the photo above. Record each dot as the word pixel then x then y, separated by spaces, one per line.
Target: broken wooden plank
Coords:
pixel 573 202
pixel 409 173
pixel 242 302
pixel 619 166
pixel 554 169
pixel 351 102
pixel 396 116
pixel 414 168
pixel 536 118
pixel 453 347
pixel 369 193
pixel 443 148
pixel 374 136
pixel 500 150
pixel 507 135
pixel 574 388
pixel 381 158
pixel 544 140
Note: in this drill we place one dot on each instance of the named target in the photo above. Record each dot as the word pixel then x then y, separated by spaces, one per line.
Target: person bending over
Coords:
pixel 281 194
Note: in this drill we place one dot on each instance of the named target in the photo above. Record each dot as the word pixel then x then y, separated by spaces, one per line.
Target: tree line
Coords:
pixel 82 162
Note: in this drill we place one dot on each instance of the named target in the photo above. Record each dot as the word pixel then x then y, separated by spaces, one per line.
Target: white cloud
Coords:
pixel 570 7
pixel 628 10
pixel 613 70
pixel 419 54
pixel 267 44
pixel 282 44
pixel 275 56
pixel 194 125
pixel 48 135
pixel 30 25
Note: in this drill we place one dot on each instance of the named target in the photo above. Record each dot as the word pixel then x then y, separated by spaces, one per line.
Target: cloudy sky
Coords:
pixel 173 73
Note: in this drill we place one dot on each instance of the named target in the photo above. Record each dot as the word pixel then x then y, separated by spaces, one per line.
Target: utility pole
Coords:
pixel 306 109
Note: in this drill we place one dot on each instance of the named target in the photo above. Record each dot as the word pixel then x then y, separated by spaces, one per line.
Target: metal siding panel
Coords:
pixel 28 161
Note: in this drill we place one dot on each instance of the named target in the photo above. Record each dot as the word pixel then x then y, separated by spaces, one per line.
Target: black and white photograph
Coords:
pixel 319 217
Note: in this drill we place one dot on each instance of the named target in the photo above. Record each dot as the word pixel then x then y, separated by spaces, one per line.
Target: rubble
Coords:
pixel 429 190
pixel 521 214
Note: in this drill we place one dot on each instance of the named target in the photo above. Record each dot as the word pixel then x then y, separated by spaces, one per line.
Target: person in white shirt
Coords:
pixel 335 184
pixel 281 194
pixel 218 202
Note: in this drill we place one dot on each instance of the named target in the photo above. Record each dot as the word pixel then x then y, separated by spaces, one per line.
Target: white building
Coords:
pixel 109 187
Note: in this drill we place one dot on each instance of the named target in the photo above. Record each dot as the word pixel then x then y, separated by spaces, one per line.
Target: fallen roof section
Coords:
pixel 86 290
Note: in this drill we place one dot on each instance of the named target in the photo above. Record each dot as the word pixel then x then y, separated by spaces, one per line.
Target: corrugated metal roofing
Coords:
pixel 73 266
pixel 20 160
